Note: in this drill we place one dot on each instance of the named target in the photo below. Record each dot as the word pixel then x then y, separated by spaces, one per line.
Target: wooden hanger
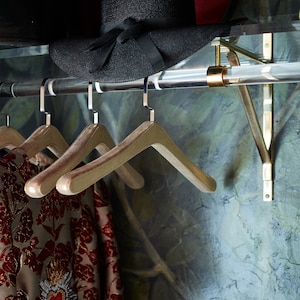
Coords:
pixel 94 136
pixel 147 134
pixel 46 136
pixel 9 137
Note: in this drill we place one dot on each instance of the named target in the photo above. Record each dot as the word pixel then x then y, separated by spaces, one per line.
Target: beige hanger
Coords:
pixel 46 136
pixel 147 134
pixel 94 136
pixel 10 138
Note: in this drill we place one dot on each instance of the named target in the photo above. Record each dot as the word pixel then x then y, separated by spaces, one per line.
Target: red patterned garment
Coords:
pixel 52 248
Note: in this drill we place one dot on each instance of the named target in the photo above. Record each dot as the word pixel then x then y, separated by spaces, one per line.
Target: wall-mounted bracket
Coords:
pixel 268 181
pixel 268 120
pixel 268 138
pixel 263 137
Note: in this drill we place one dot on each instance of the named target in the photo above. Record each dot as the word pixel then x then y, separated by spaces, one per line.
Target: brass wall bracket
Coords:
pixel 263 137
pixel 268 120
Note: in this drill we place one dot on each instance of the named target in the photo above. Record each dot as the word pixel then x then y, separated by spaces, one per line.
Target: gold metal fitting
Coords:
pixel 215 76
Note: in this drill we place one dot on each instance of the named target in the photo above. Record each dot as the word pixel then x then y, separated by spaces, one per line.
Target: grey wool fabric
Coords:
pixel 158 28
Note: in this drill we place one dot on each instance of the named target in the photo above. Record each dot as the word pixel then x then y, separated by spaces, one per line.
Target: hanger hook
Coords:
pixel 7 119
pixel 90 103
pixel 145 100
pixel 50 87
pixel 42 103
pixel 98 87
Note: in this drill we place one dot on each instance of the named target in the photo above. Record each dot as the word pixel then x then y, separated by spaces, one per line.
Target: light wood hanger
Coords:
pixel 9 137
pixel 46 136
pixel 94 136
pixel 147 134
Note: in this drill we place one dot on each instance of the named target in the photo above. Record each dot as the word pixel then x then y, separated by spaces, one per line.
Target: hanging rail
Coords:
pixel 169 79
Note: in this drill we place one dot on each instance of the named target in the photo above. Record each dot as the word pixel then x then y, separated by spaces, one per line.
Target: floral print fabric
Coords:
pixel 50 247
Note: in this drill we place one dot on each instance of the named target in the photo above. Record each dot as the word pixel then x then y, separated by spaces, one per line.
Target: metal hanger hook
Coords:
pixel 50 87
pixel 7 119
pixel 90 103
pixel 145 100
pixel 42 103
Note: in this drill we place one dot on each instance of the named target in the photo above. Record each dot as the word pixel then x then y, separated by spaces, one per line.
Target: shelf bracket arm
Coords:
pixel 262 137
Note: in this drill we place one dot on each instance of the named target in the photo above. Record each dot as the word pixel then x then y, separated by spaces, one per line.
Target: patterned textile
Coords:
pixel 111 257
pixel 50 247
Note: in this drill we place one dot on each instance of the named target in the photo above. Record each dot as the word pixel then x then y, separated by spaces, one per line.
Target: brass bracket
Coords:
pixel 268 138
pixel 268 120
pixel 263 137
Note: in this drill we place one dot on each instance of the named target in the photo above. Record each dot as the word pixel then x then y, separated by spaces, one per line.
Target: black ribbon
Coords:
pixel 130 29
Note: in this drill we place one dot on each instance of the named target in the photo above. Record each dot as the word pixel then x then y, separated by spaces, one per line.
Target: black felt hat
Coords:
pixel 139 38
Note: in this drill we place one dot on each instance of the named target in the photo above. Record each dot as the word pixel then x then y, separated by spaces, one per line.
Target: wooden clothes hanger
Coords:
pixel 147 134
pixel 46 136
pixel 94 136
pixel 10 138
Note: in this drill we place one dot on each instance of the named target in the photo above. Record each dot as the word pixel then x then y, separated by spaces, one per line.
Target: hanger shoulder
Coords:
pixel 103 142
pixel 93 136
pixel 10 138
pixel 170 151
pixel 146 135
pixel 46 136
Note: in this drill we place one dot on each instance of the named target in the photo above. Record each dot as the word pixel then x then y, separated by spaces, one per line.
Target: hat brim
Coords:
pixel 127 62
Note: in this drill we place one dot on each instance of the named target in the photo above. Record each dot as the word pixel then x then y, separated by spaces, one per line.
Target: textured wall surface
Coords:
pixel 177 242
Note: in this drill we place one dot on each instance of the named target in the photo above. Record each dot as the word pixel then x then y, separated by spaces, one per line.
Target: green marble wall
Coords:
pixel 177 242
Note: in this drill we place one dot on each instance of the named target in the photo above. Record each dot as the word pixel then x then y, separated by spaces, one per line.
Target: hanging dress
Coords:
pixel 56 247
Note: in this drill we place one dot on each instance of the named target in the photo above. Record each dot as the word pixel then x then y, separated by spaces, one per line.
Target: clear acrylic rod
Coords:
pixel 169 79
